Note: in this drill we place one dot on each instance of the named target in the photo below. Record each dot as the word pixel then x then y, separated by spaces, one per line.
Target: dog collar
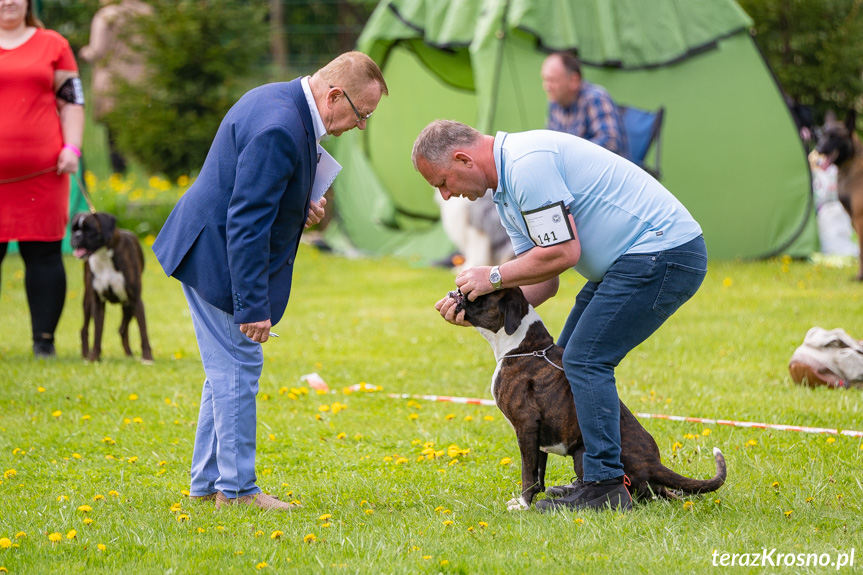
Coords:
pixel 541 353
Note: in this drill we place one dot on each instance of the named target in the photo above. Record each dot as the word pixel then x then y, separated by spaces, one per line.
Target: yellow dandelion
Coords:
pixel 788 513
pixel 506 461
pixel 705 432
pixel 101 547
pixel 176 507
pixel 426 557
pixel 388 458
pixel 341 435
pixel 87 521
pixel 20 535
pixel 413 416
pixel 133 459
pixel 688 505
pixel 444 562
pixel 401 460
pixel 449 416
pixel 453 462
pixel 318 416
pixel 369 511
pixel 239 552
pixel 448 522
pixel 71 534
pixel 677 445
pixel 323 408
pixel 57 413
pixel 325 516
pixel 310 538
pixel 183 517
pixel 258 533
pixel 113 493
pixel 483 524
pixel 810 499
pixel 468 418
pixel 775 485
pixel 831 440
pixel 325 524
pixel 137 420
pixel 727 282
pixel 76 456
pixel 55 537
pixel 126 421
pixel 488 418
pixel 5 543
pixel 85 509
pixel 86 418
pixel 133 397
pixel 98 497
pixel 751 443
pixel 276 534
pixel 108 440
pixel 62 498
pixel 579 521
pixel 40 389
pixel 271 437
pixel 9 473
pixel 261 565
pixel 689 436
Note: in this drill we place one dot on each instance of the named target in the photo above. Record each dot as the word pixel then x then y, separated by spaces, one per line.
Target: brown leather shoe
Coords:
pixel 208 497
pixel 262 500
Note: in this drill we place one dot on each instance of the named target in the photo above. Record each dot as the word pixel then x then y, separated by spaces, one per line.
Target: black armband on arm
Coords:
pixel 72 91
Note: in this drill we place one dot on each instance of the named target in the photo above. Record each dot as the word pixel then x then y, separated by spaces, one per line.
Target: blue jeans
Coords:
pixel 610 317
pixel 224 455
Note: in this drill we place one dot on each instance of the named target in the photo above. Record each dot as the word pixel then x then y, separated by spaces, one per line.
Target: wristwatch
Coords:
pixel 495 279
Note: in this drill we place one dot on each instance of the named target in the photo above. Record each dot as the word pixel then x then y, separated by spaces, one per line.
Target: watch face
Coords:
pixel 494 277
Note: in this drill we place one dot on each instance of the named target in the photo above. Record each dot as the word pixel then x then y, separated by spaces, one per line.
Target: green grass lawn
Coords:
pixel 117 436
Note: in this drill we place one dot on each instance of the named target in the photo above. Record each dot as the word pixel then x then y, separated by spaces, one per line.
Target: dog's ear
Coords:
pixel 851 121
pixel 107 224
pixel 514 309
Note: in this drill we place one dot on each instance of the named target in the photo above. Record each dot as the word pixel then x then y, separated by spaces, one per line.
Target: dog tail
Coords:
pixel 672 480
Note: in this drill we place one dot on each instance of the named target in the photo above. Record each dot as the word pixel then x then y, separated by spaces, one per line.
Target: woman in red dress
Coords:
pixel 41 124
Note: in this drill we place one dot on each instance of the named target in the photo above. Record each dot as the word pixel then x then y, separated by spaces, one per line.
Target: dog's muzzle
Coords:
pixel 459 299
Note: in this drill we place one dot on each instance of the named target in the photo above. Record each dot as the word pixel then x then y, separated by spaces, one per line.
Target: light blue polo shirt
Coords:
pixel 617 207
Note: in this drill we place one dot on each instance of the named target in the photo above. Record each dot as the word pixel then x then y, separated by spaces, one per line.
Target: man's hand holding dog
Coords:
pixel 258 331
pixel 472 283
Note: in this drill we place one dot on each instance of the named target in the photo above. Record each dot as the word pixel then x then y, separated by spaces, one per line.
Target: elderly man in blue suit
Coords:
pixel 231 240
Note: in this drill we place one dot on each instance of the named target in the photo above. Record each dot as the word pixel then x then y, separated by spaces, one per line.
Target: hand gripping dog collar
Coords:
pixel 541 353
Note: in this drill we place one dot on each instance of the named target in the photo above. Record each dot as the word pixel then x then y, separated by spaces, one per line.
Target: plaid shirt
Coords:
pixel 593 116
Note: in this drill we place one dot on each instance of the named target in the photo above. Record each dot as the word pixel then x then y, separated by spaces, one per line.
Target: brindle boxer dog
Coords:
pixel 113 266
pixel 840 145
pixel 532 391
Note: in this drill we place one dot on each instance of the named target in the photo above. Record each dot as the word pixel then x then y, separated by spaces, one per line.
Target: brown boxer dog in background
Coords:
pixel 531 389
pixel 113 267
pixel 839 144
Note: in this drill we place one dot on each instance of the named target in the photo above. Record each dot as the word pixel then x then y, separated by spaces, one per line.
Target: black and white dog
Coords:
pixel 113 269
pixel 531 389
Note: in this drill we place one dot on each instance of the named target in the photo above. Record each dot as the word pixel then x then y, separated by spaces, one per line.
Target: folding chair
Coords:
pixel 643 129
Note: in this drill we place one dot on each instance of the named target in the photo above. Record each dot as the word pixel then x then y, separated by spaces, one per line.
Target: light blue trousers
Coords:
pixel 224 455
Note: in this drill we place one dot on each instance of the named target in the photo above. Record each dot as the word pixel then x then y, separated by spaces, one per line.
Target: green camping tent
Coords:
pixel 730 149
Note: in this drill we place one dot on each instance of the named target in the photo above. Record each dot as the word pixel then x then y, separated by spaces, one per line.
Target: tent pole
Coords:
pixel 497 66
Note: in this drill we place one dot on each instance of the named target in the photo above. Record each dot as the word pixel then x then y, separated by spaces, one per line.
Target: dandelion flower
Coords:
pixel 579 521
pixel 689 436
pixel 426 557
pixel 448 522
pixel 506 461
pixel 705 432
pixel 87 521
pixel 388 458
pixel 751 443
pixel 133 397
pixel 775 485
pixel 113 493
pixel 76 456
pixel 86 418
pixel 688 505
pixel 488 418
pixel 276 534
pixel 85 509
pixel 55 537
pixel 133 459
pixel 450 416
pixel 727 282
pixel 98 497
pixel 483 524
pixel 108 440
pixel 468 418
pixel 57 413
pixel 341 435
pixel 9 473
pixel 369 511
pixel 325 516
pixel 258 533
pixel 444 562
pixel 323 408
pixel 831 440
pixel 413 416
pixel 71 534
pixel 183 517
pixel 401 460
pixel 788 513
pixel 40 389
pixel 310 538
pixel 20 535
pixel 261 565
pixel 101 547
pixel 5 543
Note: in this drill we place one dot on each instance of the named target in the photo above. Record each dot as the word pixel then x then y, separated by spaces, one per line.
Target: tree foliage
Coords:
pixel 198 53
pixel 815 47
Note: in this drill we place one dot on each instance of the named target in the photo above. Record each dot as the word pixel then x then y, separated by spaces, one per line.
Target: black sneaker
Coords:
pixel 565 490
pixel 43 347
pixel 598 495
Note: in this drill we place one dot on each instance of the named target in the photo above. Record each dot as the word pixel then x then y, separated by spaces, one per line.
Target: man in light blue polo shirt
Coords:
pixel 566 202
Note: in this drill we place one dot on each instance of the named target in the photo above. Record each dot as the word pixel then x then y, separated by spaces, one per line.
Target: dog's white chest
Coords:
pixel 105 275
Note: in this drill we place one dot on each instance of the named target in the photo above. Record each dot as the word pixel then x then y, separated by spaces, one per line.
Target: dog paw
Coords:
pixel 517 505
pixel 146 362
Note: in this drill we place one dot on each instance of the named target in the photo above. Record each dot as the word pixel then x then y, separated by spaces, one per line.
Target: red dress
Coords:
pixel 34 208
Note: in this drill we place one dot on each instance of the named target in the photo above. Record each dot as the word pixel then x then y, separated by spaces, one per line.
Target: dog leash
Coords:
pixel 540 353
pixel 81 185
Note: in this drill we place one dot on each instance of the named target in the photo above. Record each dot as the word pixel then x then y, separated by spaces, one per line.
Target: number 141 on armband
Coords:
pixel 548 225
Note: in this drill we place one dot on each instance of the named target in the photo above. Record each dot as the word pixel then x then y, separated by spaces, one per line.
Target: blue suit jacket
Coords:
pixel 234 234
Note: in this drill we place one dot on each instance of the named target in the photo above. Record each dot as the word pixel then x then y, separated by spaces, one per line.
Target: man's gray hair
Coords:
pixel 438 140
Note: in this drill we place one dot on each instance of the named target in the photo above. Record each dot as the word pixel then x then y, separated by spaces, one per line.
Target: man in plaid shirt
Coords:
pixel 580 108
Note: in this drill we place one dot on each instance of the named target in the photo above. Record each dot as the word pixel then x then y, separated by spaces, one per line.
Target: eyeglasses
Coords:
pixel 360 117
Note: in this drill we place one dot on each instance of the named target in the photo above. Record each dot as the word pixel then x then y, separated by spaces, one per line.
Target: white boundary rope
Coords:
pixel 728 422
